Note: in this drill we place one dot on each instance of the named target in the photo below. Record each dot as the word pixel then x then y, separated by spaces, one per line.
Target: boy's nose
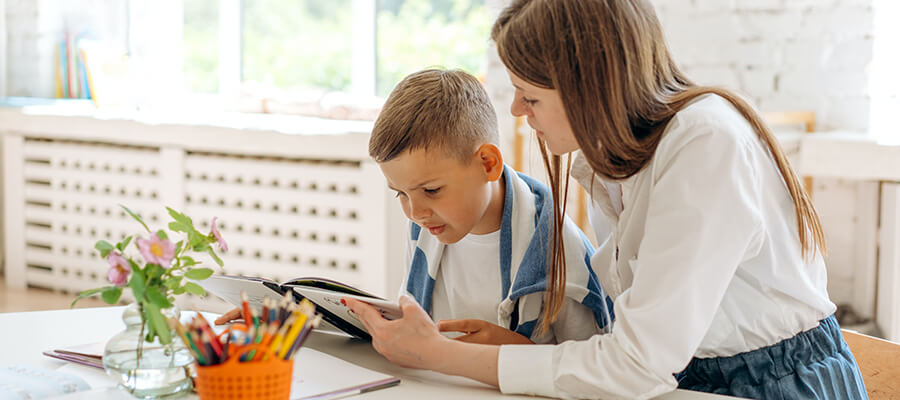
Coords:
pixel 419 213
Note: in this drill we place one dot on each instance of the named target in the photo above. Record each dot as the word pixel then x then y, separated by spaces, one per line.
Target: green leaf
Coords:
pixel 179 227
pixel 162 234
pixel 178 246
pixel 180 218
pixel 187 261
pixel 137 283
pixel 136 217
pixel 173 282
pixel 198 274
pixel 194 288
pixel 215 257
pixel 198 241
pixel 157 298
pixel 104 248
pixel 111 294
pixel 158 322
pixel 86 293
pixel 154 271
pixel 178 291
pixel 123 244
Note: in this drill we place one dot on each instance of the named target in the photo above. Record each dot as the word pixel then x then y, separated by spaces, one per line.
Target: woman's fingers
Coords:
pixel 228 317
pixel 368 315
pixel 411 307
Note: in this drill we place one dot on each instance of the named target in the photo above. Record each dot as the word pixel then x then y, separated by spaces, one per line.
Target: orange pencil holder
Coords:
pixel 263 380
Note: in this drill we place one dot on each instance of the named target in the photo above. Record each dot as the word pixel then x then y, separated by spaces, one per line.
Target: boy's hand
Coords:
pixel 482 332
pixel 229 316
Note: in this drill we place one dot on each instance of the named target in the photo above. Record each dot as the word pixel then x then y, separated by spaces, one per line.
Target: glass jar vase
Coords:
pixel 148 370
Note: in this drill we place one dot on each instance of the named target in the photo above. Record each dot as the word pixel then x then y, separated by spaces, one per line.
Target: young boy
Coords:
pixel 477 255
pixel 478 232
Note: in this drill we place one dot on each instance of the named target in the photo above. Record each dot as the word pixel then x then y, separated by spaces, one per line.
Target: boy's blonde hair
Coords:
pixel 434 109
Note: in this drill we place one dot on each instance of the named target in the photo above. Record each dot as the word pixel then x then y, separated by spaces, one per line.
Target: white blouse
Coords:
pixel 702 261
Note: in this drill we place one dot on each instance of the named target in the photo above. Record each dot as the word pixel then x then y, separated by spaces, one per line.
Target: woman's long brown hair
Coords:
pixel 620 88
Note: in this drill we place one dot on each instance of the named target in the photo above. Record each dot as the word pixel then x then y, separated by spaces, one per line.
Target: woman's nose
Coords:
pixel 517 108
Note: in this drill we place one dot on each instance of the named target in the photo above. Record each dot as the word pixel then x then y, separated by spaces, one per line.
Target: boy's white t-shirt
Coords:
pixel 468 283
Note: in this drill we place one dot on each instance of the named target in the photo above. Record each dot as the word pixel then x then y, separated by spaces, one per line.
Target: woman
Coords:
pixel 711 250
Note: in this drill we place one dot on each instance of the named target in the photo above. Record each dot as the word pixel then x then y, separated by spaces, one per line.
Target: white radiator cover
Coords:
pixel 288 204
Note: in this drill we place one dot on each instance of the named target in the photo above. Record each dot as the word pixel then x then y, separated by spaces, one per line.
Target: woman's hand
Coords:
pixel 483 332
pixel 412 341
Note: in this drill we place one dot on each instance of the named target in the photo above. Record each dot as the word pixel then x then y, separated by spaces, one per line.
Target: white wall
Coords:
pixel 782 54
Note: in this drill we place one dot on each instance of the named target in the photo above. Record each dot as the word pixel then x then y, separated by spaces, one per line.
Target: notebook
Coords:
pixel 27 382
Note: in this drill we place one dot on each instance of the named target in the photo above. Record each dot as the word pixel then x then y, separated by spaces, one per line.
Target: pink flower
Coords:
pixel 218 235
pixel 156 250
pixel 119 269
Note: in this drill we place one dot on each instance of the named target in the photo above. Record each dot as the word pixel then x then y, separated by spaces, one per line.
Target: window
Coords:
pixel 303 44
pixel 414 34
pixel 308 48
pixel 201 55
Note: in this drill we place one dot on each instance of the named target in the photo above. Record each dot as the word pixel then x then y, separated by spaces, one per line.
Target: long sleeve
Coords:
pixel 702 221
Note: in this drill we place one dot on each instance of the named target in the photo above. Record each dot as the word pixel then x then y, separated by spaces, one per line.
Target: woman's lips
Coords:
pixel 436 230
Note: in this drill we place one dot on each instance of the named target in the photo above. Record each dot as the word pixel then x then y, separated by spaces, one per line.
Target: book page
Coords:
pixel 229 289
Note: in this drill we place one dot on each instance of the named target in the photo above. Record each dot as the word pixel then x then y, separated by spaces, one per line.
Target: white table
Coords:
pixel 23 336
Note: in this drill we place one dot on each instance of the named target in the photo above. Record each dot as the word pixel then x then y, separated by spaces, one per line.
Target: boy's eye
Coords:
pixel 432 191
pixel 528 101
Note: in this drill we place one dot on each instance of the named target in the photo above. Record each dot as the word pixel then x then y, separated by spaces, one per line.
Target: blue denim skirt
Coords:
pixel 815 364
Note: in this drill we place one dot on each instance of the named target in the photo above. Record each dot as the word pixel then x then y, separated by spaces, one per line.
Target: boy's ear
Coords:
pixel 490 159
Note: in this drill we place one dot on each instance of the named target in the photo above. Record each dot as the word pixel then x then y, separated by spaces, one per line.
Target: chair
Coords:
pixel 879 363
pixel 804 120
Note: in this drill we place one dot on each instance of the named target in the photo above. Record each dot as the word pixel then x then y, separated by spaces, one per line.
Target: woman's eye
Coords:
pixel 432 191
pixel 398 194
pixel 528 101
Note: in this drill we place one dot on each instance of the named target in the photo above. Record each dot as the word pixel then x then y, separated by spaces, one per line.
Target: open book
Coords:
pixel 326 294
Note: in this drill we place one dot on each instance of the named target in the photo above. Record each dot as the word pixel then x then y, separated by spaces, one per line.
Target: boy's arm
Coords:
pixel 481 332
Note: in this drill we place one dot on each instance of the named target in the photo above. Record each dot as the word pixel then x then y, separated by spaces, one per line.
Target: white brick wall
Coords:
pixel 781 54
